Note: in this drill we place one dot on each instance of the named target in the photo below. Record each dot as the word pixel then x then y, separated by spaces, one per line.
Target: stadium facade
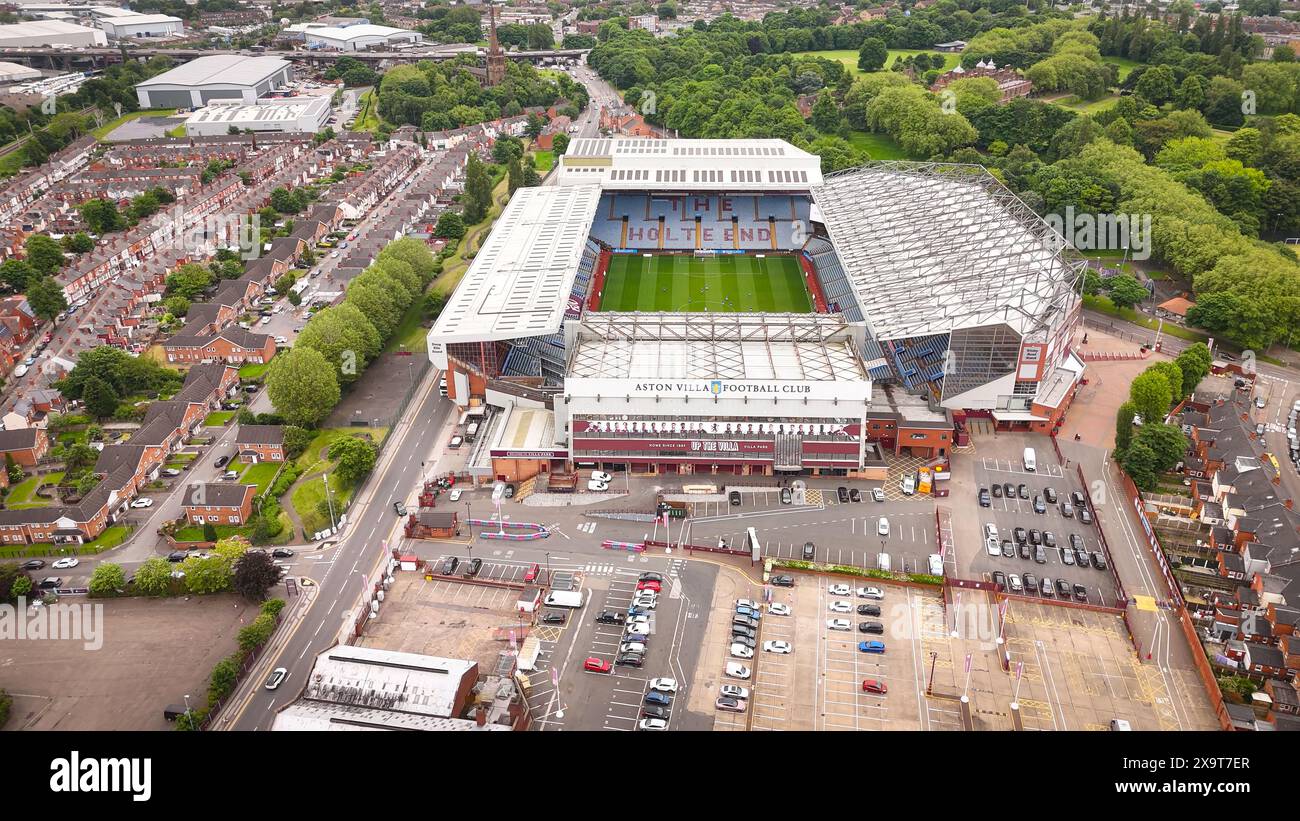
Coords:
pixel 720 306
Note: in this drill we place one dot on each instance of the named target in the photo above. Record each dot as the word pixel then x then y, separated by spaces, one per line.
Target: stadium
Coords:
pixel 720 306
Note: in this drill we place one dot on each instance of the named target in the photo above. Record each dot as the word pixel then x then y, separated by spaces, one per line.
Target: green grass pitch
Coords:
pixel 725 283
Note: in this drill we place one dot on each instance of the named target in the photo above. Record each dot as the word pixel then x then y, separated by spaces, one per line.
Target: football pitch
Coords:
pixel 726 283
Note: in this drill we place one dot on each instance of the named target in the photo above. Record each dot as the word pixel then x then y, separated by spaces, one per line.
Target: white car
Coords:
pixel 277 677
pixel 740 651
pixel 839 590
pixel 648 603
pixel 601 476
pixel 878 493
pixel 735 669
pixel 841 606
pixel 632 647
pixel 663 685
pixel 281 340
pixel 839 624
pixel 882 526
pixel 782 647
pixel 64 564
pixel 734 691
pixel 752 605
pixel 992 547
pixel 598 487
pixel 870 593
pixel 653 724
pixel 142 503
pixel 640 624
pixel 454 496
pixel 778 609
pixel 909 485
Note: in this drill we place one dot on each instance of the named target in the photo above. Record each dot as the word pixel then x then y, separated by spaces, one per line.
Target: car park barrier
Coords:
pixel 631 547
pixel 534 531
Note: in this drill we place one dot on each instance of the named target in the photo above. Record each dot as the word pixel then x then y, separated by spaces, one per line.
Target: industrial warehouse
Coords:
pixel 718 306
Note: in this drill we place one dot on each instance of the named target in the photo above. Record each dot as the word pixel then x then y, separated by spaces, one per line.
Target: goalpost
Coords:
pixel 702 252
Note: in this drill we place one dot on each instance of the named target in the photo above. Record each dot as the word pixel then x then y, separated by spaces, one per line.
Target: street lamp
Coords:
pixel 325 477
pixel 189 717
pixel 469 522
pixel 548 568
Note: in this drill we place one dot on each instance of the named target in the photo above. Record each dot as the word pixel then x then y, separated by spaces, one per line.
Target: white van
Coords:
pixel 1031 462
pixel 883 562
pixel 1120 725
pixel 936 564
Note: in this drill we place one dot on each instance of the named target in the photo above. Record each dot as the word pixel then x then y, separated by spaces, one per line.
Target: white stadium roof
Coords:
pixel 930 248
pixel 226 69
pixel 346 33
pixel 732 346
pixel 519 283
pixel 636 163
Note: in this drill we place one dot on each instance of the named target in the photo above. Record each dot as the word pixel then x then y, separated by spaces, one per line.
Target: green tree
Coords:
pixel 107 579
pixel 16 273
pixel 102 216
pixel 1139 462
pixel 1173 374
pixel 415 254
pixel 1194 363
pixel 560 143
pixel 43 254
pixel 100 397
pixel 1166 442
pixel 79 243
pixel 177 306
pixel 154 577
pixel 46 298
pixel 450 225
pixel 872 54
pixel 1125 291
pixel 1124 426
pixel 255 574
pixel 302 386
pixel 534 127
pixel 1156 85
pixel 825 113
pixel 514 175
pixel 478 191
pixel 343 336
pixel 355 457
pixel 209 532
pixel 207 575
pixel 1151 396
pixel 381 303
pixel 189 280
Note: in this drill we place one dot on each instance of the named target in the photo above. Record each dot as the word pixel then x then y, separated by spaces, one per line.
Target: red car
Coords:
pixel 531 575
pixel 872 686
pixel 595 665
pixel 648 584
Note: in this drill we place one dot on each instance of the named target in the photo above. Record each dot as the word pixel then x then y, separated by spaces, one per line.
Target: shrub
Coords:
pixel 272 607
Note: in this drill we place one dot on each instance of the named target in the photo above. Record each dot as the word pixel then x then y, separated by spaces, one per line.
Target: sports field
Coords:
pixel 729 282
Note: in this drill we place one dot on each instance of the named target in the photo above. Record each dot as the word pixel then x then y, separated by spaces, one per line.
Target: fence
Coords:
pixel 250 661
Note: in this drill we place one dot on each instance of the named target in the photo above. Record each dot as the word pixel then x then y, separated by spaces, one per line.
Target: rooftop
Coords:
pixel 388 680
pixel 353 32
pixel 270 111
pixel 224 69
pixel 931 247
pixel 734 165
pixel 519 283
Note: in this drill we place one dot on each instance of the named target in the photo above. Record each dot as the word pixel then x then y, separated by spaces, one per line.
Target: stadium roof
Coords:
pixel 636 163
pixel 784 347
pixel 930 248
pixel 355 32
pixel 223 69
pixel 519 282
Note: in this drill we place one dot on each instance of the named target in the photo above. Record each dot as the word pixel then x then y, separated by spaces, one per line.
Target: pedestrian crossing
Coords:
pixel 587 527
pixel 599 569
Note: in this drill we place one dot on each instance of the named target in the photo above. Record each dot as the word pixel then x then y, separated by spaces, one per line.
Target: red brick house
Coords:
pixel 232 346
pixel 260 443
pixel 26 446
pixel 17 315
pixel 219 504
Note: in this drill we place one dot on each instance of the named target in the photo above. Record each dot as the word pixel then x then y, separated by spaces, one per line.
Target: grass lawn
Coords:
pixel 455 266
pixel 410 334
pixel 849 57
pixel 877 146
pixel 724 283
pixel 313 458
pixel 24 493
pixel 1102 304
pixel 1078 104
pixel 109 539
pixel 1126 65
pixel 251 372
pixel 107 128
pixel 261 474
pixel 311 492
pixel 217 419
pixel 367 113
pixel 545 160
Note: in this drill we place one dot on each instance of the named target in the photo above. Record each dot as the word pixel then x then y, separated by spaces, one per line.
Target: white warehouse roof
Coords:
pixel 930 248
pixel 637 163
pixel 355 32
pixel 50 32
pixel 226 69
pixel 519 283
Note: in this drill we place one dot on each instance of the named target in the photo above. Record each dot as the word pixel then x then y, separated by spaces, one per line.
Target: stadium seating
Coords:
pixel 835 283
pixel 582 281
pixel 752 223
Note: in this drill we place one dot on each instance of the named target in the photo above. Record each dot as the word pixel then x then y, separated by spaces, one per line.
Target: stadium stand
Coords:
pixel 683 222
pixel 835 285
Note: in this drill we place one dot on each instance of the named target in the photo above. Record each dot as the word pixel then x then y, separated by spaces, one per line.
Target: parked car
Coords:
pixel 664 685
pixel 1049 538
pixel 1045 584
pixel 872 685
pixel 870 593
pixel 729 704
pixel 985 499
pixel 609 617
pixel 1067 556
pixel 868 610
pixel 601 476
pixel 1098 561
pixel 734 691
pixel 878 494
pixel 809 551
pixel 554 617
pixel 472 567
pixel 597 486
pixel 171 473
pixel 782 581
pixel 740 651
pixel 177 556
pixel 32 564
pixel 1035 537
pixel 1013 582
pixel 630 660
pixel 1039 506
pixel 855 495
pixel 778 647
pixel 997 491
pixel 595 665
pixel 1081 592
pixel 1085 515
pixel 1063 588
pixel 1000 579
pixel 1081 557
pixel 652 724
pixel 1020 535
pixel 1031 583
pixel 1008 549
pixel 66 563
pixel 1009 490
pixel 282 553
pixel 1050 495
pixel 842 493
pixel 735 669
pixel 1040 555
pixel 449 565
pixel 839 624
pixel 1066 510
pixel 142 503
pixel 221 461
pixel 1023 550
pixel 734 497
pixel 874 627
pixel 1023 491
pixel 779 609
pixel 871 647
pixel 786 498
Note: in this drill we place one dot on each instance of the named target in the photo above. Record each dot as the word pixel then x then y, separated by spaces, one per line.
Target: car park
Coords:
pixel 595 665
pixel 779 647
pixel 871 647
pixel 876 686
pixel 839 624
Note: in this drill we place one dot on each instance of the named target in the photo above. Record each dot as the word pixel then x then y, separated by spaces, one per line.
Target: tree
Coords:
pixel 207 575
pixel 189 280
pixel 10 572
pixel 825 113
pixel 380 302
pixel 872 54
pixel 1172 374
pixel 209 532
pixel 46 298
pixel 1151 396
pixel 1166 442
pixel 255 574
pixel 296 440
pixel 560 143
pixel 16 273
pixel 100 397
pixel 1125 291
pixel 43 254
pixel 102 216
pixel 1156 84
pixel 535 125
pixel 154 577
pixel 415 254
pixel 344 336
pixel 514 175
pixel 478 191
pixel 177 306
pixel 302 386
pixel 1139 462
pixel 450 225
pixel 107 579
pixel 355 457
pixel 1194 362
pixel 1124 426
pixel 79 243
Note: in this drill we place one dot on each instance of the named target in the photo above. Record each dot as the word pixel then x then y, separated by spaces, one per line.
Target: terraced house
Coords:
pixel 125 468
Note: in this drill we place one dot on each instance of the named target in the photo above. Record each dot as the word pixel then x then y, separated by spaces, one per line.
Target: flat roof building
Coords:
pixel 121 27
pixel 358 37
pixel 15 73
pixel 293 115
pixel 37 33
pixel 215 77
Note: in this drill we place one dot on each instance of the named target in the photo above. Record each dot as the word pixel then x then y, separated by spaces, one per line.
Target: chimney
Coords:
pixel 480 715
